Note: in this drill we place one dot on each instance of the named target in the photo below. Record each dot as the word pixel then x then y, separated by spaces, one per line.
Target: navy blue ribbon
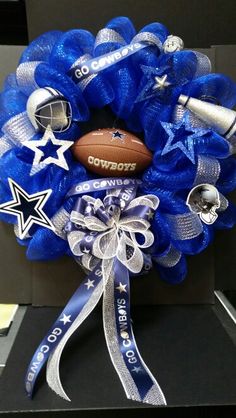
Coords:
pixel 127 186
pixel 81 71
pixel 145 388
pixel 128 347
pixel 60 326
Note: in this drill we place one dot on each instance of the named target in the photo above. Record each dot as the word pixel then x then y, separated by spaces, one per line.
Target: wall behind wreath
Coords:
pixel 200 23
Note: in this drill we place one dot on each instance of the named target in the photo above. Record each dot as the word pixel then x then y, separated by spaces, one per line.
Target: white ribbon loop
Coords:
pixel 117 236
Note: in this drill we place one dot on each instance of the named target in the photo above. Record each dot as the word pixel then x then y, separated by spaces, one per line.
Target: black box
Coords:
pixel 189 349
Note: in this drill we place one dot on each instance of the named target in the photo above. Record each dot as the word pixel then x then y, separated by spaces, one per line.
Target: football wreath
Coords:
pixel 147 190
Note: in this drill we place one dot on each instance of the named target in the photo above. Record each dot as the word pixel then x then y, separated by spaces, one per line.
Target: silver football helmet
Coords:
pixel 47 106
pixel 172 44
pixel 204 200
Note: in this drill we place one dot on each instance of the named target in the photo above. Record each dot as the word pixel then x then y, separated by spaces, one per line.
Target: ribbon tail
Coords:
pixel 53 364
pixel 138 382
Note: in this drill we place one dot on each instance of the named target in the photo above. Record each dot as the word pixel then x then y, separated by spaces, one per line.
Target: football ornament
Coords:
pixel 112 152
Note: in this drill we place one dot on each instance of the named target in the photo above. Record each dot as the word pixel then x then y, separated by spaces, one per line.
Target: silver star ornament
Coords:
pixel 39 163
pixel 161 83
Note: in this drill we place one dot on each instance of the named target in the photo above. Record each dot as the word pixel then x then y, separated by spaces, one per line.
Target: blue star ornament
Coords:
pixel 181 136
pixel 157 83
pixel 28 208
pixel 37 147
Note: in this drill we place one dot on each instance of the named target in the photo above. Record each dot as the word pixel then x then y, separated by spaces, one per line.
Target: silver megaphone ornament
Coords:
pixel 221 119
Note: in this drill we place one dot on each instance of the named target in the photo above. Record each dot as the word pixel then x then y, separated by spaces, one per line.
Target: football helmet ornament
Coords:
pixel 47 106
pixel 204 200
pixel 172 44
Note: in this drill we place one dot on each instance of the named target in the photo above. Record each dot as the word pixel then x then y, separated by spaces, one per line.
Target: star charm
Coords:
pixel 156 84
pixel 89 283
pixel 137 369
pixel 48 138
pixel 181 136
pixel 117 134
pixel 65 319
pixel 161 83
pixel 150 214
pixel 121 287
pixel 28 208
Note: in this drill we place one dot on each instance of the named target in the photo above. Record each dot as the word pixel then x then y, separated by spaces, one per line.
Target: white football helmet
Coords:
pixel 172 44
pixel 47 106
pixel 204 200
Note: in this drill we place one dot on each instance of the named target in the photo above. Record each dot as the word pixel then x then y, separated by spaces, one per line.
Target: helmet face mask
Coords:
pixel 48 107
pixel 57 114
pixel 204 200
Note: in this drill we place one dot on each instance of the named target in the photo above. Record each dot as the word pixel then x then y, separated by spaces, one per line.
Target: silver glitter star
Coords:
pixel 161 83
pixel 39 163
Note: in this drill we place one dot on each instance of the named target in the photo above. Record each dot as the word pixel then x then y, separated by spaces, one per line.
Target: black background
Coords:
pixel 200 23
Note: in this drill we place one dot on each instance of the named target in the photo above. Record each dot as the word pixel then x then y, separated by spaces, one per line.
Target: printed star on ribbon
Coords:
pixel 65 319
pixel 28 208
pixel 89 283
pixel 150 215
pixel 121 287
pixel 181 136
pixel 48 139
pixel 137 369
pixel 156 84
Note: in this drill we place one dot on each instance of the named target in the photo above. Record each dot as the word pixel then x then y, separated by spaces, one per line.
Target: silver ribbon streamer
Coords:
pixel 25 76
pixel 208 170
pixel 110 242
pixel 53 364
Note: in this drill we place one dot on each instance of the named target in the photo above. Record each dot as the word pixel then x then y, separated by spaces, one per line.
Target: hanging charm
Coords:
pixel 205 200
